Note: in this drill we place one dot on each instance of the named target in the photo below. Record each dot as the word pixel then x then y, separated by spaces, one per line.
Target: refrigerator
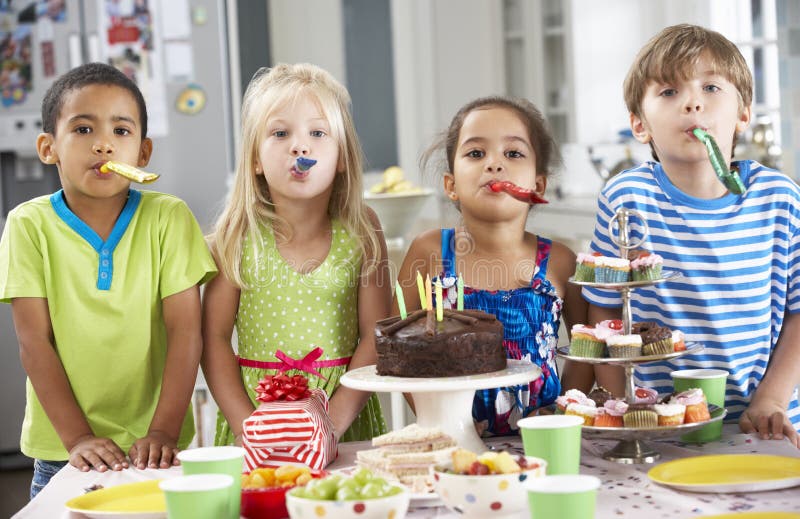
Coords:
pixel 176 50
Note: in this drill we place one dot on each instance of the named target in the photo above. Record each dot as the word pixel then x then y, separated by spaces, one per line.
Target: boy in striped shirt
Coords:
pixel 739 254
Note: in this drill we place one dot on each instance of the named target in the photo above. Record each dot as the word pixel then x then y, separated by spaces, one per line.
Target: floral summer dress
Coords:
pixel 292 313
pixel 530 317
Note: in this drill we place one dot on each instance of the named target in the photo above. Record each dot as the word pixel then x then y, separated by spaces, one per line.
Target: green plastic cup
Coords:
pixel 555 438
pixel 564 496
pixel 712 382
pixel 217 460
pixel 201 496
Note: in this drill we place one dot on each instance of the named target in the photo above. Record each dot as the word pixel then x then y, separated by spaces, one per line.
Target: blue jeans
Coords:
pixel 42 472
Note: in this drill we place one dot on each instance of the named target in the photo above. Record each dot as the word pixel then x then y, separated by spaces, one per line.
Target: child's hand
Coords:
pixel 156 450
pixel 768 421
pixel 99 453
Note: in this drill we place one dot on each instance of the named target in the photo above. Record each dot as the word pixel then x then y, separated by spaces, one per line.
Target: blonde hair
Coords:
pixel 669 55
pixel 249 206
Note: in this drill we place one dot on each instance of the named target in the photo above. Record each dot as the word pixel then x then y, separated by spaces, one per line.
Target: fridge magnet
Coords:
pixel 191 100
pixel 15 65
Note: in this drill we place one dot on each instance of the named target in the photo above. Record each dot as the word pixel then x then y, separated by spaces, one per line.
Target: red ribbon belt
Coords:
pixel 309 363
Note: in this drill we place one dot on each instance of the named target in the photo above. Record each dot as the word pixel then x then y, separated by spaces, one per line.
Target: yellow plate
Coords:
pixel 755 515
pixel 142 500
pixel 728 473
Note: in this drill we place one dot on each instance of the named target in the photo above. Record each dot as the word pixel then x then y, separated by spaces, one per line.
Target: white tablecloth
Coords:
pixel 626 490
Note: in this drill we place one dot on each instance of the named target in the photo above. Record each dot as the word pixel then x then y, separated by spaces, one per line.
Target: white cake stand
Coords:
pixel 445 403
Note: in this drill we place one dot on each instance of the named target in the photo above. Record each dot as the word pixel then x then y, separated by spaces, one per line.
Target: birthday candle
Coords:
pixel 421 288
pixel 460 293
pixel 401 302
pixel 428 295
pixel 439 304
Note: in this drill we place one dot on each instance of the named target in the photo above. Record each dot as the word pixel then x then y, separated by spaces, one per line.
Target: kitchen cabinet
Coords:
pixel 538 58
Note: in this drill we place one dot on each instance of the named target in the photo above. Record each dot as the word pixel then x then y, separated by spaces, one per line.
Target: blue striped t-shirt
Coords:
pixel 739 258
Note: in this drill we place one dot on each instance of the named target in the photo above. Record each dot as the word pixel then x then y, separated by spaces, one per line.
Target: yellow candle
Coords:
pixel 422 299
pixel 460 293
pixel 401 302
pixel 428 295
pixel 439 304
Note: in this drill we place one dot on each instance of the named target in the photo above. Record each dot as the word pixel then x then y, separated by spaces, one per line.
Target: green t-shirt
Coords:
pixel 104 300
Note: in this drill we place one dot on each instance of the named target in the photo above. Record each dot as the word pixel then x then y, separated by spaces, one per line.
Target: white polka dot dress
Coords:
pixel 295 313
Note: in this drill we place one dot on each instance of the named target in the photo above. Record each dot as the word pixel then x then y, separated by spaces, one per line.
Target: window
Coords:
pixel 752 25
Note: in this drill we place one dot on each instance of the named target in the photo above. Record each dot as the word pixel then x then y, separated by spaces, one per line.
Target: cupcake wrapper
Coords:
pixel 670 420
pixel 640 419
pixel 584 272
pixel 587 348
pixel 608 421
pixel 696 413
pixel 609 275
pixel 661 347
pixel 623 351
pixel 646 273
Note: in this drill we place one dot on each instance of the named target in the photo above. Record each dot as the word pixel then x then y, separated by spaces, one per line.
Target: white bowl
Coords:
pixel 397 211
pixel 394 506
pixel 493 495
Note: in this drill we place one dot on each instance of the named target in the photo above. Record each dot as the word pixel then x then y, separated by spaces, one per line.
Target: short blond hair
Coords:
pixel 249 205
pixel 670 54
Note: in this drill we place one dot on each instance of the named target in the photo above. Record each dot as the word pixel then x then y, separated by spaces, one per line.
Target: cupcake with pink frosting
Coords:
pixel 572 396
pixel 646 267
pixel 645 395
pixel 696 405
pixel 610 415
pixel 584 266
pixel 586 343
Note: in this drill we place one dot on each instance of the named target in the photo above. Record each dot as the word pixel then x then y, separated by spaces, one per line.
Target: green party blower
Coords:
pixel 729 178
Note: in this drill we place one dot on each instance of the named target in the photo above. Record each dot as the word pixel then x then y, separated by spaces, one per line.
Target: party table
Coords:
pixel 626 490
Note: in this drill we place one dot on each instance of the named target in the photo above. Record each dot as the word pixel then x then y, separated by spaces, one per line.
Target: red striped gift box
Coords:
pixel 285 432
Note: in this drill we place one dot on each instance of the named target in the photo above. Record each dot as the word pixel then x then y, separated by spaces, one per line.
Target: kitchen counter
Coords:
pixel 626 491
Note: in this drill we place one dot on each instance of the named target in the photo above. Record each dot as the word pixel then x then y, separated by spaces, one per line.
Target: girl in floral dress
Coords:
pixel 302 259
pixel 516 275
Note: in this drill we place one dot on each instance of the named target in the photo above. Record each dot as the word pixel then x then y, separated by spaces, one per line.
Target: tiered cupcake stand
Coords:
pixel 631 447
pixel 445 403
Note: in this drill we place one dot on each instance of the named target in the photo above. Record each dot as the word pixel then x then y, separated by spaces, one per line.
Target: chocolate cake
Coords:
pixel 468 342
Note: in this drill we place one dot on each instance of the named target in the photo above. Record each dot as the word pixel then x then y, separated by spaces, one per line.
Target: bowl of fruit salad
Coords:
pixel 264 490
pixel 486 485
pixel 362 496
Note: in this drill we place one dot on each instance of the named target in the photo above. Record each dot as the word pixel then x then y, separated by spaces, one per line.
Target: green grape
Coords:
pixel 347 494
pixel 350 484
pixel 371 491
pixel 363 475
pixel 324 489
pixel 300 492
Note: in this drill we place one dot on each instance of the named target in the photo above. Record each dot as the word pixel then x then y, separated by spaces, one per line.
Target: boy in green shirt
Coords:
pixel 103 281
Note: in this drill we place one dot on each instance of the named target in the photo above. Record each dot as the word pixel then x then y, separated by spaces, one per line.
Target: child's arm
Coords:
pixel 184 345
pixel 766 413
pixel 220 368
pixel 578 375
pixel 607 375
pixel 422 255
pixel 374 301
pixel 49 380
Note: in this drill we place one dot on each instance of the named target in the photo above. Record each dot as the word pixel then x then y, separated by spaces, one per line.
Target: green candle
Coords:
pixel 421 288
pixel 401 302
pixel 460 293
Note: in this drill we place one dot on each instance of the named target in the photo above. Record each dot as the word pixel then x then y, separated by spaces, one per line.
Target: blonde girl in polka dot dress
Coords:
pixel 303 263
